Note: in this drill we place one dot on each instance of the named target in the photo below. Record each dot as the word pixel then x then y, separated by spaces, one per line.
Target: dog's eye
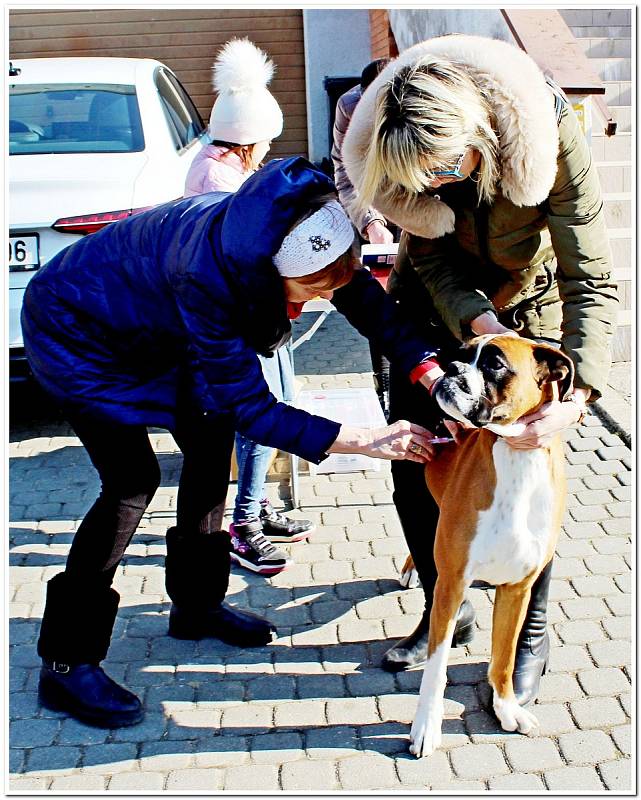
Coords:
pixel 494 362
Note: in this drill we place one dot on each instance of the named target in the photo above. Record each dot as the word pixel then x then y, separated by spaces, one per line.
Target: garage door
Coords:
pixel 186 41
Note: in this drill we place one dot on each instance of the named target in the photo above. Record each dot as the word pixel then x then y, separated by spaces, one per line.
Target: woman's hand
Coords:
pixel 545 423
pixel 401 440
pixel 488 323
pixel 378 233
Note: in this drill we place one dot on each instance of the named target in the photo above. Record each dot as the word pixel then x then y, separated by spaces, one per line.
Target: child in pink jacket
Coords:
pixel 244 120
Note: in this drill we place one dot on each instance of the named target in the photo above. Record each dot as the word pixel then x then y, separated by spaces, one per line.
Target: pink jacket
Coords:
pixel 209 172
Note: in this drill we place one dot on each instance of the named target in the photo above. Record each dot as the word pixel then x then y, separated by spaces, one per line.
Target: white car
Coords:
pixel 91 141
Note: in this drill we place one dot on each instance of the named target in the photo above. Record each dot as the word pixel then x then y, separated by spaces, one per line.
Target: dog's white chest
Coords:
pixel 512 535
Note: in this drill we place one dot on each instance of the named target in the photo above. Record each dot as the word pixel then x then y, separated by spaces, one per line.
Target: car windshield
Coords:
pixel 74 118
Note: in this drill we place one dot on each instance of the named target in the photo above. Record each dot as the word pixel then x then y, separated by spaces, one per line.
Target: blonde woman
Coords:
pixel 464 143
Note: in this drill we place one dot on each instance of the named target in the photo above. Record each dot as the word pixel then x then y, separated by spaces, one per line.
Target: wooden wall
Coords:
pixel 185 40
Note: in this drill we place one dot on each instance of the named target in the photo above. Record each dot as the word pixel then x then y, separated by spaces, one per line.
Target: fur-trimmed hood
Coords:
pixel 525 117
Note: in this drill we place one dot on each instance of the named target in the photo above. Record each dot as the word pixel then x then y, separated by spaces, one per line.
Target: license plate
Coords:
pixel 23 253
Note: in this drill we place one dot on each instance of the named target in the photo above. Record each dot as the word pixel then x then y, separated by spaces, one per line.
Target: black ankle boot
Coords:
pixel 233 626
pixel 533 646
pixel 74 637
pixel 197 576
pixel 87 693
pixel 412 650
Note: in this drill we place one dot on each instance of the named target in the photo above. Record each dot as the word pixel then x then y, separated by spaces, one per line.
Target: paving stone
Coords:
pixel 617 775
pixel 606 565
pixel 303 776
pixel 299 713
pixel 33 732
pixel 516 782
pixel 397 707
pixel 620 628
pixel 221 751
pixel 617 527
pixel 573 779
pixel 597 712
pixel 626 702
pixel 78 783
pixel 424 772
pixel 352 711
pixel 601 482
pixel 119 757
pixel 320 686
pixel 558 687
pixel 532 755
pixel 615 653
pixel 277 748
pixel 478 761
pixel 554 719
pixel 613 545
pixel 257 777
pixel 623 739
pixel 246 717
pixel 74 732
pixel 331 742
pixel 580 632
pixel 369 772
pixel 604 681
pixel 569 658
pixel 580 747
pixel 141 781
pixel 585 608
pixel 594 585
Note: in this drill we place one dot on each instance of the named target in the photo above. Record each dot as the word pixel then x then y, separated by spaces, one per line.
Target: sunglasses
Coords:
pixel 451 173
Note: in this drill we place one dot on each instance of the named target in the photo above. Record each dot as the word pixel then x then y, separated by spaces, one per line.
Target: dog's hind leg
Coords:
pixel 425 735
pixel 510 607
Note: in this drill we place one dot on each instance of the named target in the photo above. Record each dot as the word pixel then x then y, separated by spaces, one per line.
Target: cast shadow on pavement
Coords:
pixel 209 697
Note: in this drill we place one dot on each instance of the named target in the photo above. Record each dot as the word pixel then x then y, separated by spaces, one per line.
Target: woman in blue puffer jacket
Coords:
pixel 157 321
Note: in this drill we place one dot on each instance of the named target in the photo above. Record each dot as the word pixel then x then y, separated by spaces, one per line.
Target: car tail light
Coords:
pixel 90 223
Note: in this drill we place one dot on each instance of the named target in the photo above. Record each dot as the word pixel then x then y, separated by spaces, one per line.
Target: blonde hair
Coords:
pixel 246 154
pixel 426 116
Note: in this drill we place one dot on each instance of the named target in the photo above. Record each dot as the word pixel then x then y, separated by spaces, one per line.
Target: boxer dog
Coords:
pixel 500 511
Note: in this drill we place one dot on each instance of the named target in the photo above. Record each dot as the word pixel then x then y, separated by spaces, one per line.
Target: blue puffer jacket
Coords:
pixel 182 297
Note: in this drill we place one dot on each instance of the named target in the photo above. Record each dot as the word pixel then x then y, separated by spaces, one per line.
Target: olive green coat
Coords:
pixel 544 267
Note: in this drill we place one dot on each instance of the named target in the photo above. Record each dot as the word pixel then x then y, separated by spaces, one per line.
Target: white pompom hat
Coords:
pixel 315 242
pixel 245 112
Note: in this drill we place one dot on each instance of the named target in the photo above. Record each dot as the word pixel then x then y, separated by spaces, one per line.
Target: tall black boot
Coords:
pixel 197 576
pixel 412 650
pixel 533 646
pixel 74 638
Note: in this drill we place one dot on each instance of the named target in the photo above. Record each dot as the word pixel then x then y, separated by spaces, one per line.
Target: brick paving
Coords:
pixel 314 711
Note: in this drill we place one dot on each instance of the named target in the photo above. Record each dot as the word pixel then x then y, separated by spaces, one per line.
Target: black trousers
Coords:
pixel 417 510
pixel 130 474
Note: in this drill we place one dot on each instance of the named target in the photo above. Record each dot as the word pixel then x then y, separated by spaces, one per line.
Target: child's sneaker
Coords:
pixel 279 528
pixel 252 550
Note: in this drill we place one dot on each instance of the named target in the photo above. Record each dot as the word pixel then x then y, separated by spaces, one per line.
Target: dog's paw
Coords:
pixel 425 735
pixel 514 717
pixel 409 579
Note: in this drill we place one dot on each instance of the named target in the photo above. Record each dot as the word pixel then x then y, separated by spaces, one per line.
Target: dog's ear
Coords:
pixel 554 365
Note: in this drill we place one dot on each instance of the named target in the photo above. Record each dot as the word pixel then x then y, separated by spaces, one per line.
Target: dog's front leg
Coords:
pixel 425 735
pixel 510 608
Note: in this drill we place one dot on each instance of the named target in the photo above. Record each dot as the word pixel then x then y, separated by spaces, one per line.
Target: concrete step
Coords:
pixel 615 176
pixel 604 47
pixel 596 16
pixel 612 69
pixel 617 208
pixel 611 148
pixel 618 93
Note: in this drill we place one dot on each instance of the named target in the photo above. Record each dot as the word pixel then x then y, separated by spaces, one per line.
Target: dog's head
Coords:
pixel 498 379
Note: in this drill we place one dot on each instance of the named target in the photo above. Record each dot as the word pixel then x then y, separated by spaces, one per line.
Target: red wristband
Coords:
pixel 425 366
